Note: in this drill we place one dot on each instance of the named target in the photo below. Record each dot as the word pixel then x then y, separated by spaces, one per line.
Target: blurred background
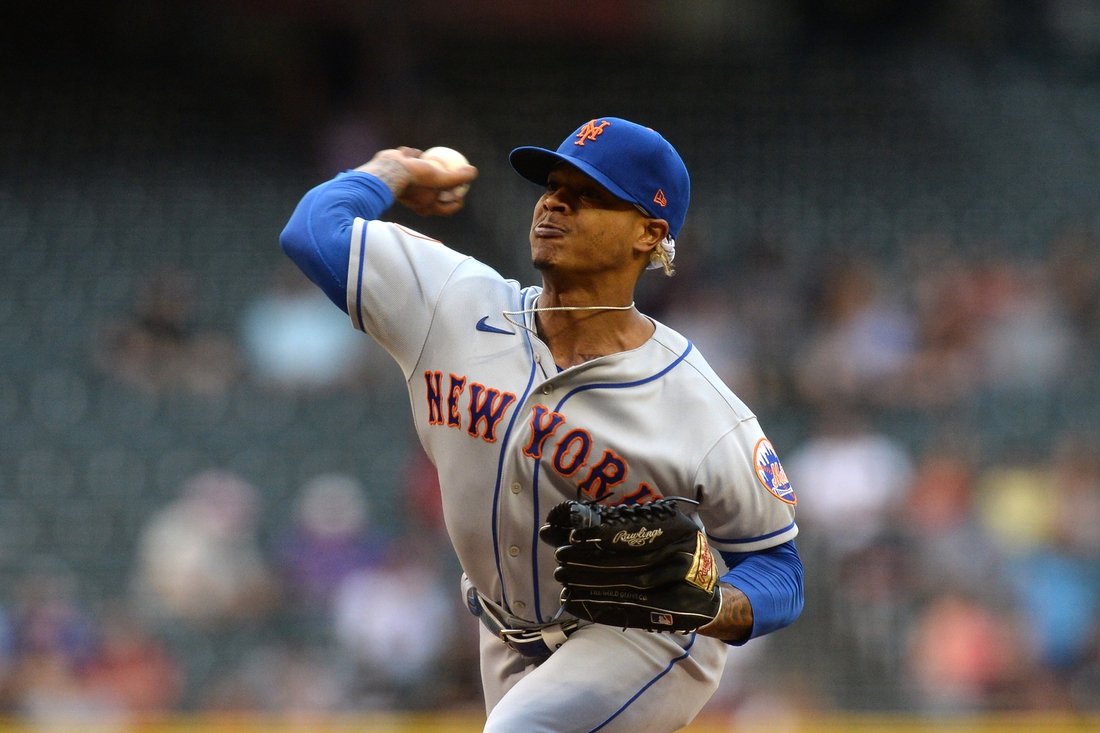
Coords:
pixel 211 494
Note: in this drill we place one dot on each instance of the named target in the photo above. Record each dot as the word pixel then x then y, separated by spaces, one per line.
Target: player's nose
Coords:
pixel 555 201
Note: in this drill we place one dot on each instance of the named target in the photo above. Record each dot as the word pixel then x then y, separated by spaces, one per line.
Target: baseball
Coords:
pixel 447 159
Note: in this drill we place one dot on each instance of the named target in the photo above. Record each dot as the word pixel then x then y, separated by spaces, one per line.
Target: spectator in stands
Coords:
pixel 947 366
pixel 864 345
pixel 939 522
pixel 423 502
pixel 293 338
pixel 331 538
pixel 457 681
pixel 1025 339
pixel 1039 516
pixel 130 670
pixel 850 479
pixel 1075 277
pixel 397 622
pixel 54 638
pixel 161 349
pixel 48 691
pixel 198 559
pixel 48 617
pixel 964 657
pixel 293 681
pixel 771 301
pixel 1077 476
pixel 1016 504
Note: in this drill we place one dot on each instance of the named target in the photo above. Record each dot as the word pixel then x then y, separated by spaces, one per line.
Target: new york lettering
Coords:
pixel 566 452
pixel 486 406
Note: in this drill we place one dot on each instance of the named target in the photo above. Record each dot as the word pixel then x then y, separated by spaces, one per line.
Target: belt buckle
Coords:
pixel 526 642
pixel 538 642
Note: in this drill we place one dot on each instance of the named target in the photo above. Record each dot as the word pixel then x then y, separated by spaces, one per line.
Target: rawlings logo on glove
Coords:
pixel 639 538
pixel 645 566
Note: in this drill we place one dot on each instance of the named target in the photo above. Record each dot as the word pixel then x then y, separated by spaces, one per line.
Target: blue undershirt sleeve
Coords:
pixel 772 581
pixel 318 236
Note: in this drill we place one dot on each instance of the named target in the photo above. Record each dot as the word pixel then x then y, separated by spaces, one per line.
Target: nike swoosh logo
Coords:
pixel 483 326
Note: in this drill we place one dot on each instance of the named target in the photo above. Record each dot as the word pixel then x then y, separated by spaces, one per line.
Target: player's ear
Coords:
pixel 653 233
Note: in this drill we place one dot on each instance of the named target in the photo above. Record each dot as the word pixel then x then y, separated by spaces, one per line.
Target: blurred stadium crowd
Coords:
pixel 211 497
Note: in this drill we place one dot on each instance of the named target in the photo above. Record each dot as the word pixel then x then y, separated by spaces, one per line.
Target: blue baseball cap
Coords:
pixel 631 161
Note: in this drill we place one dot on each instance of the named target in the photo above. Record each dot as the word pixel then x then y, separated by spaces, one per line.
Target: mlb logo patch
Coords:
pixel 771 473
pixel 660 619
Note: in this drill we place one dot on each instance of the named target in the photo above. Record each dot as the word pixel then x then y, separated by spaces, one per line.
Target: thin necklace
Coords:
pixel 521 313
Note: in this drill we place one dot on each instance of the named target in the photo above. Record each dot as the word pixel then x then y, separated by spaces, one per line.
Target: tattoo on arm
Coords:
pixel 391 172
pixel 734 621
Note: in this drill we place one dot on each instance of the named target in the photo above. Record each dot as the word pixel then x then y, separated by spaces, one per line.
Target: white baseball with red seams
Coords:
pixel 448 159
pixel 512 436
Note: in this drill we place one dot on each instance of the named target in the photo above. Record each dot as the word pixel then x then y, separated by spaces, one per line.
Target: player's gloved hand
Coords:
pixel 421 186
pixel 645 566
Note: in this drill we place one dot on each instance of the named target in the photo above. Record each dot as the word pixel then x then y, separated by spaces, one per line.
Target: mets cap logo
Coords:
pixel 771 473
pixel 590 132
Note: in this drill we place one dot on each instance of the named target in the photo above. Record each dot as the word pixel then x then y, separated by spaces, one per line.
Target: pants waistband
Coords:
pixel 534 641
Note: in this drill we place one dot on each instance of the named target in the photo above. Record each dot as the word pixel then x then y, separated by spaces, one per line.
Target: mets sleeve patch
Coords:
pixel 770 472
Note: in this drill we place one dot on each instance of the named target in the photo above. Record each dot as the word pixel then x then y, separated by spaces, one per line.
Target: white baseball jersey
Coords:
pixel 512 435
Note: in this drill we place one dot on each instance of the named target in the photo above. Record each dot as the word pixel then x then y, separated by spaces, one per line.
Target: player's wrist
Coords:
pixel 387 168
pixel 734 621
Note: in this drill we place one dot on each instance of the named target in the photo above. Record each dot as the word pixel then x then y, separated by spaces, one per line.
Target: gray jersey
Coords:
pixel 511 435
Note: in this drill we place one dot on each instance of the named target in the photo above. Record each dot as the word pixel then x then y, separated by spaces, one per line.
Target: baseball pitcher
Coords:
pixel 618 512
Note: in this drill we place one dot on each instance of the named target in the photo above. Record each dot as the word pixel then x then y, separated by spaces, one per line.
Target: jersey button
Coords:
pixel 513 551
pixel 538 359
pixel 516 488
pixel 519 605
pixel 547 388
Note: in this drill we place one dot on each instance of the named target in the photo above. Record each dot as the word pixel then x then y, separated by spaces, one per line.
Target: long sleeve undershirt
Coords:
pixel 318 236
pixel 318 239
pixel 772 581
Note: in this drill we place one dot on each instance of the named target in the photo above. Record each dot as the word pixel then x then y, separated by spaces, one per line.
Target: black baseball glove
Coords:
pixel 644 566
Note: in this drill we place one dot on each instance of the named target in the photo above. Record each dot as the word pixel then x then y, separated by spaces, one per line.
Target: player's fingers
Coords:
pixel 446 208
pixel 428 202
pixel 410 152
pixel 430 175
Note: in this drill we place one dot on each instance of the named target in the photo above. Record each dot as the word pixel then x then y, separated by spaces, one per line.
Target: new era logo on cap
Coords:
pixel 631 161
